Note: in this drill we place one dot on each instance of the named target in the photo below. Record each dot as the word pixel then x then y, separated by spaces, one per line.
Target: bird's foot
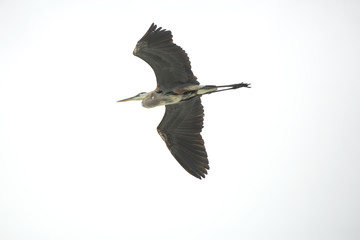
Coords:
pixel 240 85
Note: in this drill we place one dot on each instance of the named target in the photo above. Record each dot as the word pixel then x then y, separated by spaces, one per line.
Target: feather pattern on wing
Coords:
pixel 170 62
pixel 180 128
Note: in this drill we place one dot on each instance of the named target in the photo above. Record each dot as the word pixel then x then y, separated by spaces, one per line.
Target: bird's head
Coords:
pixel 139 96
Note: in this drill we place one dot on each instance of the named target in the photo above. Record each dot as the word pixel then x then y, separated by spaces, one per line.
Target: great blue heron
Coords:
pixel 180 92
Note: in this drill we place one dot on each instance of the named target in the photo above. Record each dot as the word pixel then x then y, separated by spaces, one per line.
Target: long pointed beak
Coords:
pixel 137 97
pixel 128 99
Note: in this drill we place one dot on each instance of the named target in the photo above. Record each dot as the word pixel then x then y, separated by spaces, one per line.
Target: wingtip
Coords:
pixel 198 173
pixel 153 26
pixel 200 177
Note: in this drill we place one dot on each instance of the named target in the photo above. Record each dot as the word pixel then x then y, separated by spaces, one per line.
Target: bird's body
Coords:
pixel 156 98
pixel 177 89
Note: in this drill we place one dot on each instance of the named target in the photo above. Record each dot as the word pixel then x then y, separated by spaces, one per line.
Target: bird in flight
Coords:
pixel 180 92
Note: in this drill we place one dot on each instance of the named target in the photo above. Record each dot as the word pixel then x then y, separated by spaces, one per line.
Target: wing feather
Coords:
pixel 181 128
pixel 170 62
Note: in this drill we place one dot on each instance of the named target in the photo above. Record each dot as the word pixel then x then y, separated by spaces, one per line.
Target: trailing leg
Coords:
pixel 232 86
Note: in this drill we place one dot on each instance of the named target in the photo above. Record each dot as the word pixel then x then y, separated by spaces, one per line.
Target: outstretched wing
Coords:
pixel 170 62
pixel 180 128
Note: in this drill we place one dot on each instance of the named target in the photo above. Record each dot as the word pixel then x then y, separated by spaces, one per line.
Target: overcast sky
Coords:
pixel 284 155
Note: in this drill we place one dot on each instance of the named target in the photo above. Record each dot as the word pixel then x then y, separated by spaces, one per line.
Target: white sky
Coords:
pixel 284 155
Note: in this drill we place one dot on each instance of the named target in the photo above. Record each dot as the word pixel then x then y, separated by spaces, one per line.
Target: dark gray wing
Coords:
pixel 170 62
pixel 180 128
